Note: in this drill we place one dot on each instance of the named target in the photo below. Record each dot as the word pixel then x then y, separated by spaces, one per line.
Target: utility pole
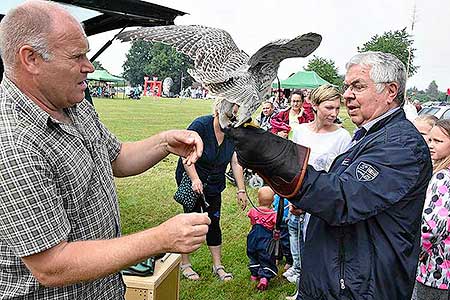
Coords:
pixel 413 22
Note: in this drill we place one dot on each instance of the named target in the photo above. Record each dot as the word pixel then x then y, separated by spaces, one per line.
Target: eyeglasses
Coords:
pixel 358 87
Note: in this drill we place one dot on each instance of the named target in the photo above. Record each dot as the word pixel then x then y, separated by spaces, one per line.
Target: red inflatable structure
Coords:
pixel 154 86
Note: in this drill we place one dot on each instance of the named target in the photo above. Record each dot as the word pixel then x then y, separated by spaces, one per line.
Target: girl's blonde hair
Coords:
pixel 444 163
pixel 427 119
pixel 324 93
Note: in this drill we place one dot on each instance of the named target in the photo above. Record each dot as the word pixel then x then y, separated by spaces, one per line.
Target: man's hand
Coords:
pixel 294 210
pixel 185 143
pixel 184 233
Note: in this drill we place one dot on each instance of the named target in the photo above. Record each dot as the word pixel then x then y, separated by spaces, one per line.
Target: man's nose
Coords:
pixel 87 67
pixel 348 93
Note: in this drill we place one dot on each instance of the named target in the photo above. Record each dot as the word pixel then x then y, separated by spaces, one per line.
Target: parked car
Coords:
pixel 440 110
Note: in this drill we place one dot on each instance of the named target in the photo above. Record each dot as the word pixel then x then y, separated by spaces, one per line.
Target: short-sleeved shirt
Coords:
pixel 212 164
pixel 56 184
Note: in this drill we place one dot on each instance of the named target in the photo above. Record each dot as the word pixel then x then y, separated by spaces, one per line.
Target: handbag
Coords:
pixel 185 195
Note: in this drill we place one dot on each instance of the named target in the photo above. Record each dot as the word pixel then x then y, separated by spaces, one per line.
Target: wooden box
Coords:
pixel 163 285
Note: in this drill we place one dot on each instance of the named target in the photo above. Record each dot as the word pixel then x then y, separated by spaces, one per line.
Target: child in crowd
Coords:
pixel 284 234
pixel 424 123
pixel 262 264
pixel 433 270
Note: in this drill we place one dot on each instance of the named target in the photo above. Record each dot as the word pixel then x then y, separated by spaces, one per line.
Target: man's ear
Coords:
pixel 29 59
pixel 392 91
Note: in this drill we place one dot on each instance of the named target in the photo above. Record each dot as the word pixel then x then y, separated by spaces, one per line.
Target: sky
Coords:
pixel 344 25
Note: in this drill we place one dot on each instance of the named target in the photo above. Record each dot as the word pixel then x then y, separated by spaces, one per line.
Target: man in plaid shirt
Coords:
pixel 59 224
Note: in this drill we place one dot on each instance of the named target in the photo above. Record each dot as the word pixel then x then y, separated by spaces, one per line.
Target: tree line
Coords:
pixel 156 59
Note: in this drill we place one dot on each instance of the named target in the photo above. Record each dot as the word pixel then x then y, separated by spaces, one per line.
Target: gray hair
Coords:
pixel 28 24
pixel 385 68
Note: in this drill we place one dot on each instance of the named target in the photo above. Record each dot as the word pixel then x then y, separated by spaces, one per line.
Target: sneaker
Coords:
pixel 293 278
pixel 263 284
pixel 289 272
pixel 254 278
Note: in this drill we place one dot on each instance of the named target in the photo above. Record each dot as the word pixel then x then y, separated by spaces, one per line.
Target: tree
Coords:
pixel 136 59
pixel 432 91
pixel 325 68
pixel 398 43
pixel 156 59
pixel 98 65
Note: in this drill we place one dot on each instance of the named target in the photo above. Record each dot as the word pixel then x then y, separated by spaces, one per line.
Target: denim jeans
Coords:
pixel 295 225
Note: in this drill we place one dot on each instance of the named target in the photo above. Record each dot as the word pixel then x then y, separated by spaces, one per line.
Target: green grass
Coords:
pixel 146 200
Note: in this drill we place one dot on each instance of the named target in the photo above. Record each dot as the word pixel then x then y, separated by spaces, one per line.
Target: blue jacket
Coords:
pixel 362 240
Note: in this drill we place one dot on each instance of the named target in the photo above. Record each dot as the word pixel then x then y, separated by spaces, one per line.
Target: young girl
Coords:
pixel 262 264
pixel 424 123
pixel 433 273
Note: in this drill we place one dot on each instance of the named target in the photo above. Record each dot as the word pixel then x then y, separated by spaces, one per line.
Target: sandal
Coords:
pixel 189 274
pixel 225 276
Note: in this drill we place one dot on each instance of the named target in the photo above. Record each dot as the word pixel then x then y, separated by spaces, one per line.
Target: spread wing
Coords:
pixel 275 52
pixel 216 56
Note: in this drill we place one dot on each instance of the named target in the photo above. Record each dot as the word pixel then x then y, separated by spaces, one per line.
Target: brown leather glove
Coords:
pixel 280 162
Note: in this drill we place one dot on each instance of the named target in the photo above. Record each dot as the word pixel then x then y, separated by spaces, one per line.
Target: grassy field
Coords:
pixel 146 200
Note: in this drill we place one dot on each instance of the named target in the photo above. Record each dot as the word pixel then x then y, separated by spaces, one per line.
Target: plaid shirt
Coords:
pixel 56 184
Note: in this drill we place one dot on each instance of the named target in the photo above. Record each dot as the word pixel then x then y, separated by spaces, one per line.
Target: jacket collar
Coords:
pixel 397 115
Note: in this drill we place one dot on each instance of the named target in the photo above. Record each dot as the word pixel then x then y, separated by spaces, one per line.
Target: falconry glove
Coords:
pixel 280 162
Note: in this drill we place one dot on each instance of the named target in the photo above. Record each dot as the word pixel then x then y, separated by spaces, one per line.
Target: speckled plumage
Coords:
pixel 227 72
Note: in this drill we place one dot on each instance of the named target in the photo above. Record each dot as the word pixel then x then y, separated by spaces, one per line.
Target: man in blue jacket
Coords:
pixel 362 241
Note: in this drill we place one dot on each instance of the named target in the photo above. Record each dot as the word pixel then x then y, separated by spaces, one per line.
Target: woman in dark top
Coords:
pixel 208 178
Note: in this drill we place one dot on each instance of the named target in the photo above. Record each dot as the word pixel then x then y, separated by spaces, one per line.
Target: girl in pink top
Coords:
pixel 433 271
pixel 262 264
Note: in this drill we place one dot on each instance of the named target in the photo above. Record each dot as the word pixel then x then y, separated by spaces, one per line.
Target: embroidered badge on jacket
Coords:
pixel 366 172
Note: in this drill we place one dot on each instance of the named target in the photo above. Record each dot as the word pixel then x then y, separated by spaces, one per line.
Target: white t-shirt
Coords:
pixel 324 146
pixel 324 149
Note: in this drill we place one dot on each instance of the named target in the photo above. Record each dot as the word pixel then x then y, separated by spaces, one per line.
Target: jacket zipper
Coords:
pixel 341 262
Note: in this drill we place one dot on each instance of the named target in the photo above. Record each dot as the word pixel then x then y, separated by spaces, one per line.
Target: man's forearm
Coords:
pixel 137 157
pixel 72 262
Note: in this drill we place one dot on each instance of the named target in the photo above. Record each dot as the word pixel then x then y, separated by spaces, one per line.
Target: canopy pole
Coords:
pixel 108 43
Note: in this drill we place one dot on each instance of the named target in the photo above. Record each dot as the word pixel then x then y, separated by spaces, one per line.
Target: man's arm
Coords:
pixel 373 182
pixel 72 262
pixel 137 157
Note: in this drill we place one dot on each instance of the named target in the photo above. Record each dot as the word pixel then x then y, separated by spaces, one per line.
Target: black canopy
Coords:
pixel 115 14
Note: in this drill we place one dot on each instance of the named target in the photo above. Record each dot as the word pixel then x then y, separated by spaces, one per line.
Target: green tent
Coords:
pixel 301 80
pixel 103 75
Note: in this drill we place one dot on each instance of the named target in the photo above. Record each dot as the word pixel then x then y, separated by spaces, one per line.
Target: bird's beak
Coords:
pixel 250 123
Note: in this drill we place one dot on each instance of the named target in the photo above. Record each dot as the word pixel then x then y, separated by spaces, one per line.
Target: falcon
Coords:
pixel 238 81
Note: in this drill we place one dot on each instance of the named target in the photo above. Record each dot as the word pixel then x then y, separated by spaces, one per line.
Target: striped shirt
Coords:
pixel 56 184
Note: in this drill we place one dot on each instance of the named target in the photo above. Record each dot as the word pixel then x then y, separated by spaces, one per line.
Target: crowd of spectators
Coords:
pixel 103 90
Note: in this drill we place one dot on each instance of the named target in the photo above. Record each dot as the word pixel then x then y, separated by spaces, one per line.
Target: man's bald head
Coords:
pixel 32 23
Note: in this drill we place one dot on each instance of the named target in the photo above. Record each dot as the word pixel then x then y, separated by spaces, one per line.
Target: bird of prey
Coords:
pixel 227 72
